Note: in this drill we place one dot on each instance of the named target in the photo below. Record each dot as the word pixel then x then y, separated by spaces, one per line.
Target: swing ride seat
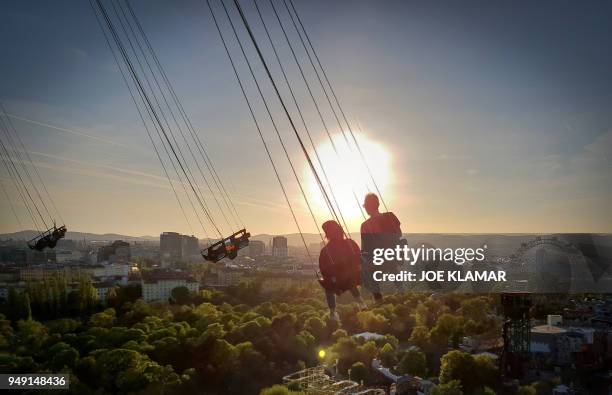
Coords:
pixel 47 239
pixel 228 247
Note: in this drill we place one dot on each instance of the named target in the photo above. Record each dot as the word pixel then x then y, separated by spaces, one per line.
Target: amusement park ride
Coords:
pixel 29 186
pixel 516 334
pixel 228 247
pixel 48 238
pixel 149 86
pixel 316 381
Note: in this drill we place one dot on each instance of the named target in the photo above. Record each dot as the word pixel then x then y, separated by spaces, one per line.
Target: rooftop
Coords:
pixel 369 335
pixel 154 277
pixel 550 329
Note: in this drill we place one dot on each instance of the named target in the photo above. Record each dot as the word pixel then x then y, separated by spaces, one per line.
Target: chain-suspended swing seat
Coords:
pixel 48 238
pixel 228 247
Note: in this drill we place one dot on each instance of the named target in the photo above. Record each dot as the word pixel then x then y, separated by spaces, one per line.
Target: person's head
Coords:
pixel 371 203
pixel 333 231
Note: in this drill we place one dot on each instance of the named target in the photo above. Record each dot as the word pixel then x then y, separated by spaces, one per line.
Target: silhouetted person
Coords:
pixel 50 240
pixel 380 230
pixel 340 266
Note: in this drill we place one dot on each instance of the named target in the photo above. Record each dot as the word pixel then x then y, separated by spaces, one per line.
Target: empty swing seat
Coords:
pixel 228 247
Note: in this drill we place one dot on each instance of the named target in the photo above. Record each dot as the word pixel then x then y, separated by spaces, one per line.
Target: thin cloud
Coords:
pixel 71 131
pixel 237 198
pixel 114 168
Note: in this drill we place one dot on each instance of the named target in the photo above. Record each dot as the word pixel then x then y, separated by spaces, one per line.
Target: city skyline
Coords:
pixel 489 119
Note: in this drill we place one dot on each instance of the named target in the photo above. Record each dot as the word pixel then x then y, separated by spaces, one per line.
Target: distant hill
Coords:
pixel 293 239
pixel 29 234
pixel 498 243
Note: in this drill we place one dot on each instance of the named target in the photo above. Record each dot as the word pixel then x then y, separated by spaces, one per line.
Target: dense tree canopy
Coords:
pixel 232 342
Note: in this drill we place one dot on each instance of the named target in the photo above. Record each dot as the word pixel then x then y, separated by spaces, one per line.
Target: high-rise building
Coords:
pixel 257 248
pixel 175 247
pixel 170 246
pixel 117 252
pixel 190 246
pixel 279 246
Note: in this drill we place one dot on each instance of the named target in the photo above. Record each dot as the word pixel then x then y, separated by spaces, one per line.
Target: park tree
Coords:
pixel 345 350
pixel 487 371
pixel 427 313
pixel 181 295
pixel 543 387
pixel 129 294
pixel 303 346
pixel 414 363
pixel 461 366
pixel 358 372
pixel 403 321
pixel 453 387
pixel 338 334
pixel 87 295
pixel 31 335
pixel 250 330
pixel 213 332
pixel 387 339
pixel 18 306
pixel 122 370
pixel 6 333
pixel 448 328
pixel 207 314
pixel 279 390
pixel 284 325
pixel 266 309
pixel 112 295
pixel 475 309
pixel 526 390
pixel 224 357
pixel 63 325
pixel 27 306
pixel 348 317
pixel 219 342
pixel 420 337
pixel 316 327
pixel 372 322
pixel 104 319
pixel 387 355
pixel 367 352
pixel 63 355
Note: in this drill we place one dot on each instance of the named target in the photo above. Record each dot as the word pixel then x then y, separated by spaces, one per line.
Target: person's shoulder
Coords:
pixel 367 223
pixel 391 217
pixel 352 243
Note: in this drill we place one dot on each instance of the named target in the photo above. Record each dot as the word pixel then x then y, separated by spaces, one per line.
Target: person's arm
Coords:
pixel 362 231
pixel 325 264
pixel 356 253
pixel 395 224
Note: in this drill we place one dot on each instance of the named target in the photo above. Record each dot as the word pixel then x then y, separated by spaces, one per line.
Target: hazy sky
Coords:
pixel 492 117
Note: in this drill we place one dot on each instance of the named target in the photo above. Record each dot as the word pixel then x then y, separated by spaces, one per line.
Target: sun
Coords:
pixel 345 175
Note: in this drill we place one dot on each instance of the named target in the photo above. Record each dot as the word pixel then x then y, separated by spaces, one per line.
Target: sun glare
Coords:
pixel 345 171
